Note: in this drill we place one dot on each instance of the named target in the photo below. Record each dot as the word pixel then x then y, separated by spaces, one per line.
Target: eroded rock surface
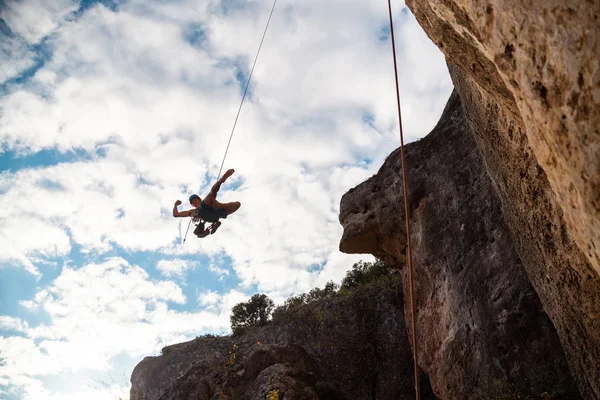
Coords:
pixel 482 331
pixel 529 76
pixel 539 61
pixel 348 347
pixel 555 265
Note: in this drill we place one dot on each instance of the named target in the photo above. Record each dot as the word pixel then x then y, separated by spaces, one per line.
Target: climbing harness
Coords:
pixel 241 103
pixel 407 218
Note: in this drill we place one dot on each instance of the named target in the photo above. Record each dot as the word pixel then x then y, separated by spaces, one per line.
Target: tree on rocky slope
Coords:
pixel 254 312
pixel 365 272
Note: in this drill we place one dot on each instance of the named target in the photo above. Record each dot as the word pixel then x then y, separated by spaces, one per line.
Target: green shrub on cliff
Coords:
pixel 365 272
pixel 258 309
pixel 254 312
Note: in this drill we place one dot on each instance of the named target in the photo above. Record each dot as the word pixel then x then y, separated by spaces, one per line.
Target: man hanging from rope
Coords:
pixel 209 209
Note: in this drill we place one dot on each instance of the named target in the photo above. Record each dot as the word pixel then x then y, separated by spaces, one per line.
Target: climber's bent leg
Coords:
pixel 230 208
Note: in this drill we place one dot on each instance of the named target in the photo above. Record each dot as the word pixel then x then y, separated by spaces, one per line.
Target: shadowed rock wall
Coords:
pixel 538 60
pixel 529 77
pixel 482 331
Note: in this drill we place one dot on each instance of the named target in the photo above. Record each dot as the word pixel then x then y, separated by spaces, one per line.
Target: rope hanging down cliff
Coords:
pixel 242 102
pixel 407 218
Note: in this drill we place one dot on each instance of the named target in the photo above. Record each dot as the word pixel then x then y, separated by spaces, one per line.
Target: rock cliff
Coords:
pixel 529 78
pixel 347 347
pixel 482 331
pixel 538 60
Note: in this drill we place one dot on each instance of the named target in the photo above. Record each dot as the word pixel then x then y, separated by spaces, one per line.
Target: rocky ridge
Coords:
pixel 351 346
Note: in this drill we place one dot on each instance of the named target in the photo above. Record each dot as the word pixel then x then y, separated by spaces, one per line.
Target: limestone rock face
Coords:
pixel 529 77
pixel 539 61
pixel 556 266
pixel 249 374
pixel 482 331
pixel 351 346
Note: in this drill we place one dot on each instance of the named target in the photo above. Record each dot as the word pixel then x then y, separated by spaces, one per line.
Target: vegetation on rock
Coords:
pixel 254 312
pixel 260 308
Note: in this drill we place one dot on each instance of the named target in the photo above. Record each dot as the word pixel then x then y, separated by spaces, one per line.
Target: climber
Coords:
pixel 209 209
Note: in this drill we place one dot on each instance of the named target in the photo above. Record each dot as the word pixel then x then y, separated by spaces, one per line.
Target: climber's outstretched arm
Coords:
pixel 181 214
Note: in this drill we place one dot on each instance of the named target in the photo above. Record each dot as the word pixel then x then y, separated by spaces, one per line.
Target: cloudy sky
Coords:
pixel 112 110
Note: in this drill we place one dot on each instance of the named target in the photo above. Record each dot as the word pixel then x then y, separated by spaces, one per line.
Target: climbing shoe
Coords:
pixel 200 231
pixel 213 228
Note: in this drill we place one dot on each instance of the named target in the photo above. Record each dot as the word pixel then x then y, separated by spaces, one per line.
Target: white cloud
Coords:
pixel 175 268
pixel 219 271
pixel 12 324
pixel 15 57
pixel 98 312
pixel 28 239
pixel 221 303
pixel 34 19
pixel 208 298
pixel 95 392
pixel 29 305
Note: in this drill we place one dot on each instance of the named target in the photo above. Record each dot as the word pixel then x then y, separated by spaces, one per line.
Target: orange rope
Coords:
pixel 407 217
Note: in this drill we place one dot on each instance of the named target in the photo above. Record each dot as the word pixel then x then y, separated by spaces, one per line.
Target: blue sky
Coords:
pixel 112 110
